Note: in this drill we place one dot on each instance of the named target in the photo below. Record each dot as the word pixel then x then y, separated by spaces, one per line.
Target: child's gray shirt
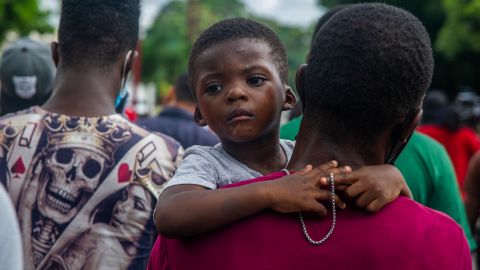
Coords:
pixel 213 167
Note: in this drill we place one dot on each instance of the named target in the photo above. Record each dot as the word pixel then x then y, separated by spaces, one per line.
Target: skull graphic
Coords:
pixel 68 178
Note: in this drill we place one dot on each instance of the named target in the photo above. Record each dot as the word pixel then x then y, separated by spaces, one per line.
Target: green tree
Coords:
pixel 178 24
pixel 22 17
pixel 454 28
pixel 461 31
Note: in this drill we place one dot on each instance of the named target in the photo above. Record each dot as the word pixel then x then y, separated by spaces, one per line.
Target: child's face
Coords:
pixel 240 95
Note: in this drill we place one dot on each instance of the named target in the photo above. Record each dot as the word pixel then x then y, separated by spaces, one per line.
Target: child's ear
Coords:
pixel 197 115
pixel 300 82
pixel 290 99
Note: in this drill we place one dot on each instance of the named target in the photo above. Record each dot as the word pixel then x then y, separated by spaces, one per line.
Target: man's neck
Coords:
pixel 87 94
pixel 315 148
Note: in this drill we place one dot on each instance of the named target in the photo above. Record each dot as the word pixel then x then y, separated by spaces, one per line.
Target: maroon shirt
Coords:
pixel 403 235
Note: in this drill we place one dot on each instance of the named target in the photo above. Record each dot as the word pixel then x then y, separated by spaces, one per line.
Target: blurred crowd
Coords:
pixel 84 172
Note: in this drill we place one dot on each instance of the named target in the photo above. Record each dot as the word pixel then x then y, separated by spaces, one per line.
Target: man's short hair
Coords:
pixel 238 28
pixel 369 65
pixel 95 33
pixel 182 90
pixel 324 19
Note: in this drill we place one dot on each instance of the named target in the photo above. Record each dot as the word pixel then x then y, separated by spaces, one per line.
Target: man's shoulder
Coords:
pixel 422 141
pixel 142 131
pixel 20 117
pixel 419 214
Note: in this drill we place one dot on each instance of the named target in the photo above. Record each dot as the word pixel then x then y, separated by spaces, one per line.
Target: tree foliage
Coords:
pixel 178 24
pixel 454 28
pixel 461 32
pixel 22 17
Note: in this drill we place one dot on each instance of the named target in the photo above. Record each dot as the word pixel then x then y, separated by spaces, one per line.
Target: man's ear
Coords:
pixel 300 82
pixel 410 123
pixel 133 54
pixel 54 51
pixel 197 115
pixel 290 99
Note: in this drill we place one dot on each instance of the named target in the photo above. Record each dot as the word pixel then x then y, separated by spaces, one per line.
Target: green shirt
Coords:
pixel 428 171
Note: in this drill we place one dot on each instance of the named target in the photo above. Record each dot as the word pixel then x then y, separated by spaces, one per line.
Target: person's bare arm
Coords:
pixel 472 191
pixel 373 187
pixel 188 210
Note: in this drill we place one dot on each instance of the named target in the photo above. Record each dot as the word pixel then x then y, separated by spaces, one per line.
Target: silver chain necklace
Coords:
pixel 331 179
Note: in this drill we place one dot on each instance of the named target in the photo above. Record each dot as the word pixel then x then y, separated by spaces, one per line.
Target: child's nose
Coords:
pixel 236 93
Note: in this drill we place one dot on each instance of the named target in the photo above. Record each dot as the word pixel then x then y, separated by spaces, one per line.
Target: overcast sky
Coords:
pixel 298 12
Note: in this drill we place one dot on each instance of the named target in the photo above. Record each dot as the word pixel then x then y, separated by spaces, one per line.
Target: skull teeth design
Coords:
pixel 60 200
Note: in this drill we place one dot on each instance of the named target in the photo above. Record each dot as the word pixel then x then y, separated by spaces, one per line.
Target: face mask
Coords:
pixel 400 145
pixel 122 97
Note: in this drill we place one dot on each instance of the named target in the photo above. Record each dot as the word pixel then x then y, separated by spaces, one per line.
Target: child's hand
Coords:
pixel 301 191
pixel 373 186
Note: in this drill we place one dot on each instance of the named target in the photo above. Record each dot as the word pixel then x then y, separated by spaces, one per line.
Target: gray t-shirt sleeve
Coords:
pixel 10 239
pixel 195 169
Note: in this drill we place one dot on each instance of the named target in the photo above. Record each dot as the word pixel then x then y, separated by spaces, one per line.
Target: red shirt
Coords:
pixel 461 145
pixel 403 235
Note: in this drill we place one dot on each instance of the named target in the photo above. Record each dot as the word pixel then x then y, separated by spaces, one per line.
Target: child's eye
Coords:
pixel 213 88
pixel 256 80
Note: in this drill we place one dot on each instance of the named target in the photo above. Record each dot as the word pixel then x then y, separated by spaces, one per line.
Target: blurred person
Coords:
pixel 176 119
pixel 472 195
pixel 424 163
pixel 26 75
pixel 467 103
pixel 62 162
pixel 433 105
pixel 443 124
pixel 349 116
pixel 10 238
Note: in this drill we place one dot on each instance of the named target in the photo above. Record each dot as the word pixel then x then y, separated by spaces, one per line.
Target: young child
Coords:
pixel 238 73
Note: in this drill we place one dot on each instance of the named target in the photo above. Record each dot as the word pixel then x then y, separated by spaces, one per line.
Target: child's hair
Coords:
pixel 95 33
pixel 369 65
pixel 238 28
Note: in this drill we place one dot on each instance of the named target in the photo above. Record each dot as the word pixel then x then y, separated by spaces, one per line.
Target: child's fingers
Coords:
pixel 375 205
pixel 325 168
pixel 346 177
pixel 340 187
pixel 318 209
pixel 338 173
pixel 306 169
pixel 326 196
pixel 354 190
pixel 365 199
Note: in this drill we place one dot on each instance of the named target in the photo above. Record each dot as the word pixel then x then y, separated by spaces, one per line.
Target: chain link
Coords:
pixel 334 217
pixel 331 179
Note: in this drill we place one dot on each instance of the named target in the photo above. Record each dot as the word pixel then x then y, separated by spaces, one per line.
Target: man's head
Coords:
pixel 27 73
pixel 96 34
pixel 238 74
pixel 369 68
pixel 236 29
